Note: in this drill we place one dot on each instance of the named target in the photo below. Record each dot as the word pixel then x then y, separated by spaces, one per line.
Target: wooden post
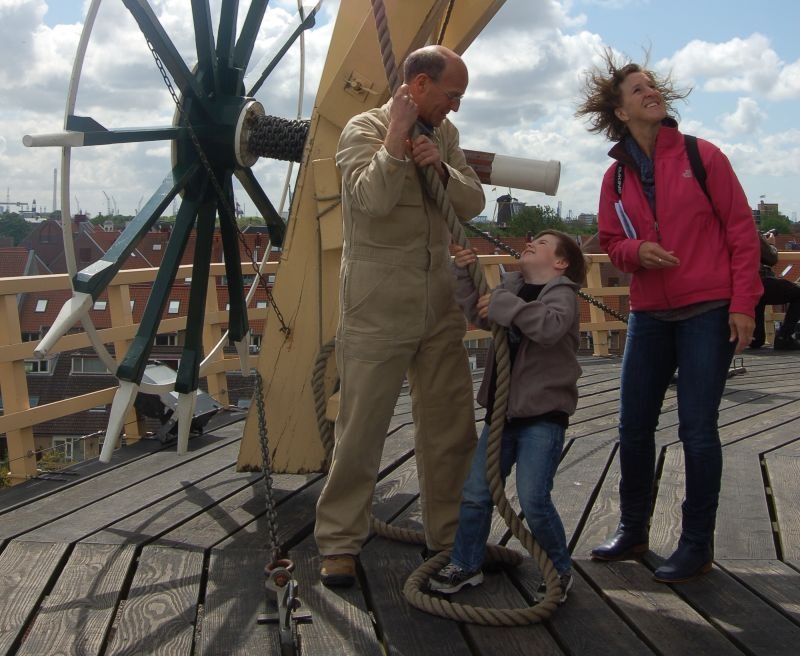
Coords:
pixel 599 337
pixel 119 307
pixel 14 390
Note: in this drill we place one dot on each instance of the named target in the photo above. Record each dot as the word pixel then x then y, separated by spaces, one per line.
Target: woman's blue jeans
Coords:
pixel 536 448
pixel 699 348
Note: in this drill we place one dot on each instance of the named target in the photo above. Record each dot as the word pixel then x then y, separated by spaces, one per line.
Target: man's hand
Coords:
pixel 653 256
pixel 402 117
pixel 425 152
pixel 742 328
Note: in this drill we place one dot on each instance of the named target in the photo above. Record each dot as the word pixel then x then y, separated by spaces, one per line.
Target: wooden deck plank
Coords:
pixel 118 504
pixel 585 624
pixel 119 480
pixel 661 618
pixel 341 622
pixel 76 615
pixel 25 572
pixel 747 621
pixel 387 565
pixel 234 597
pixel 775 582
pixel 160 611
pixel 784 472
pixel 193 498
pixel 225 518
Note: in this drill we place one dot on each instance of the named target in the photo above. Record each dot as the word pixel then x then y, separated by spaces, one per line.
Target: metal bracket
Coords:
pixel 737 369
pixel 288 614
pixel 359 86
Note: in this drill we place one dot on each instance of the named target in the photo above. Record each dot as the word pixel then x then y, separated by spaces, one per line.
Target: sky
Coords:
pixel 742 61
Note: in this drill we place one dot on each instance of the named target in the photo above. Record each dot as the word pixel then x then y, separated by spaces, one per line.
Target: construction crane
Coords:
pixel 108 203
pixel 9 203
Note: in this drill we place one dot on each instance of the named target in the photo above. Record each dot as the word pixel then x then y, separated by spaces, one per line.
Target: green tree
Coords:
pixel 533 219
pixel 778 221
pixel 14 226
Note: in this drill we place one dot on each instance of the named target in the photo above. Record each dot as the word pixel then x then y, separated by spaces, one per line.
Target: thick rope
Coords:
pixel 413 587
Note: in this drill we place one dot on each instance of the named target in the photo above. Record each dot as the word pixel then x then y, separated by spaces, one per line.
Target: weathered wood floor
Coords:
pixel 160 554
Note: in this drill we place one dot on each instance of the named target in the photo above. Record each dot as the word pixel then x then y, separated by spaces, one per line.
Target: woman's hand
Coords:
pixel 653 256
pixel 742 328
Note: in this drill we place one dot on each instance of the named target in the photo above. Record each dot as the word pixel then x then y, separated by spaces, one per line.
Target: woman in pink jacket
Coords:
pixel 693 256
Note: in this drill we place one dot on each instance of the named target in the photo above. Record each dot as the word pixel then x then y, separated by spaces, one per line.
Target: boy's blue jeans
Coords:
pixel 700 349
pixel 536 448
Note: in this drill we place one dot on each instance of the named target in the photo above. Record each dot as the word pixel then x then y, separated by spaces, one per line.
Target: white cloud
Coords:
pixel 746 119
pixel 525 74
pixel 740 65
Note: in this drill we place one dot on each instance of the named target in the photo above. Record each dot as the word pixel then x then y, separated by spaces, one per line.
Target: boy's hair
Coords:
pixel 568 249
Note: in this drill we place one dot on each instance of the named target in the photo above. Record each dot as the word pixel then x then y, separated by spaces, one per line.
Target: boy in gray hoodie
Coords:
pixel 539 307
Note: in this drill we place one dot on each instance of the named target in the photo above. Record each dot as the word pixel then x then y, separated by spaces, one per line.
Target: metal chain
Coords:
pixel 512 251
pixel 272 515
pixel 224 203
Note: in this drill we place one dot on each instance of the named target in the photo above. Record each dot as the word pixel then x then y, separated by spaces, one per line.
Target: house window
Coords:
pixel 156 247
pixel 37 366
pixel 166 339
pixel 30 337
pixel 174 306
pixel 98 408
pixel 66 446
pixel 88 365
pixel 132 303
pixel 41 305
pixel 271 278
pixel 100 305
pixel 261 305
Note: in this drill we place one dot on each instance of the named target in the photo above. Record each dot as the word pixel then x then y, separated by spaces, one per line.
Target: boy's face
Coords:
pixel 540 257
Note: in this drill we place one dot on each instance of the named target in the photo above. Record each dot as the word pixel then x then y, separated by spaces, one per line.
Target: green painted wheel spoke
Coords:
pixel 187 378
pixel 96 277
pixel 249 33
pixel 238 324
pixel 277 227
pixel 226 33
pixel 304 24
pixel 204 44
pixel 132 366
pixel 156 35
pixel 95 134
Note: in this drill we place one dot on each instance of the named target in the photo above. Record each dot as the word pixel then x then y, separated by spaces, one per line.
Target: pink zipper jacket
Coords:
pixel 717 247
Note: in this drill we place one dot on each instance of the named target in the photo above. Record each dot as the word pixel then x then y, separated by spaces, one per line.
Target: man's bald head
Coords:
pixel 430 60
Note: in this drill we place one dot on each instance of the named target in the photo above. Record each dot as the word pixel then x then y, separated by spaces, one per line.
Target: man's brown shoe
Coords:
pixel 338 571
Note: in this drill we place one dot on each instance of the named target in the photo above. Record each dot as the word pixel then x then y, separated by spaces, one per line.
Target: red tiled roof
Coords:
pixel 14 261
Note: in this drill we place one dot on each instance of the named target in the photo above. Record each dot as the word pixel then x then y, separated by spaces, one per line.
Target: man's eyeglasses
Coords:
pixel 452 96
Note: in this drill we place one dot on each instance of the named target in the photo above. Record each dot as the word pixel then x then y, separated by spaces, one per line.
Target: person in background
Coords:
pixel 397 313
pixel 539 307
pixel 693 261
pixel 777 291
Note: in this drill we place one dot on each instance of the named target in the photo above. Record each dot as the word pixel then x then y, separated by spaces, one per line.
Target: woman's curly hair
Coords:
pixel 602 94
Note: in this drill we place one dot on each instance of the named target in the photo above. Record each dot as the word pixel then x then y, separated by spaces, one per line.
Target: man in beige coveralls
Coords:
pixel 397 312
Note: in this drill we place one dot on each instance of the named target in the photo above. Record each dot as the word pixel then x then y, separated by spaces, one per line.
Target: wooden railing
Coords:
pixel 19 419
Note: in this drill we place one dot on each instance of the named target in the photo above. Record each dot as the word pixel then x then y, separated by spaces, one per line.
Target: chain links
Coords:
pixel 272 515
pixel 512 251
